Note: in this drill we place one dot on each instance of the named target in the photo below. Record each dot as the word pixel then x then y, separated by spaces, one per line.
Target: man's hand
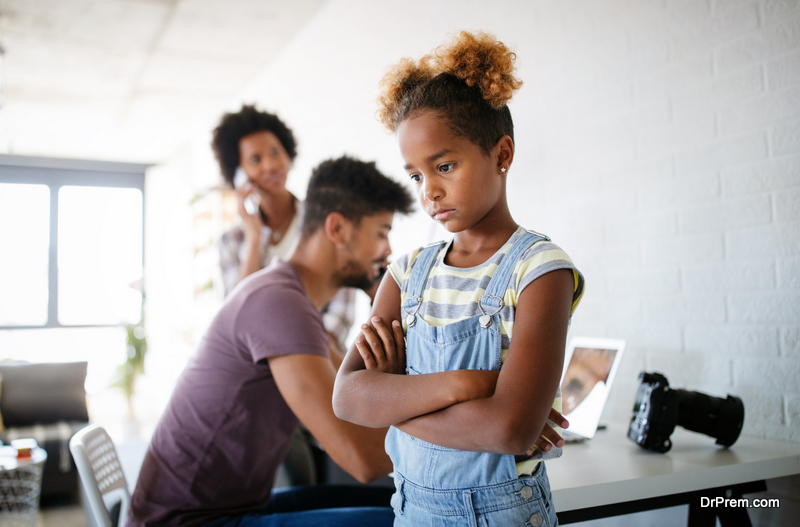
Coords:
pixel 382 349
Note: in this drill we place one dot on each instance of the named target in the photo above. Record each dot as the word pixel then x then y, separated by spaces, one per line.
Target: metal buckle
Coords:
pixel 411 318
pixel 486 320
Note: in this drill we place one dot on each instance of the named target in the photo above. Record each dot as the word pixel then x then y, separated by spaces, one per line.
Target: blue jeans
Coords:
pixel 319 506
pixel 444 487
pixel 525 501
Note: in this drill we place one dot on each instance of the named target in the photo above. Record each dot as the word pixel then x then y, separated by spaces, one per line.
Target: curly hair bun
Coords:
pixel 479 59
pixel 397 84
pixel 483 61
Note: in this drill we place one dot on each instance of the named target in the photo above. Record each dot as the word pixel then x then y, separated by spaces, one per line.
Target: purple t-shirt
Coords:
pixel 227 428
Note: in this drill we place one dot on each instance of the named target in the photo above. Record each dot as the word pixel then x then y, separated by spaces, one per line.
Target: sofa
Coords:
pixel 46 401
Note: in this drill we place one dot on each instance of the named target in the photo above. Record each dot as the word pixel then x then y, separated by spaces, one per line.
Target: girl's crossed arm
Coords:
pixel 511 419
pixel 380 394
pixel 515 412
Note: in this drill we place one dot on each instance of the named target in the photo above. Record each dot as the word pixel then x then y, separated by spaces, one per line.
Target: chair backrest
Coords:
pixel 101 474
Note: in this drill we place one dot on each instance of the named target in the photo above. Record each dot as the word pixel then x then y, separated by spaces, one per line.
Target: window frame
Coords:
pixel 56 173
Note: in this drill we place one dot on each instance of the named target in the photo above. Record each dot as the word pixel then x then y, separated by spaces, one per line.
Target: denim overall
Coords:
pixel 438 486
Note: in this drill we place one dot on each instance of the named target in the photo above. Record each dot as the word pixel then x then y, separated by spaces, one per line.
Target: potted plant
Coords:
pixel 136 349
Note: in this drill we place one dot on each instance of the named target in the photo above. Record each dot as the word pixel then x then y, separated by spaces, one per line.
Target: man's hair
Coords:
pixel 354 189
pixel 234 126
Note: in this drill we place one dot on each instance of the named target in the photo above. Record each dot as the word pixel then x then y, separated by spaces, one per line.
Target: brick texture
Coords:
pixel 790 341
pixel 676 151
pixel 752 341
pixel 773 374
pixel 785 138
pixel 775 174
pixel 756 275
pixel 792 406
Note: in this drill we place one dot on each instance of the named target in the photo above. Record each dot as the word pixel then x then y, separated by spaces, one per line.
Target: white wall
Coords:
pixel 660 141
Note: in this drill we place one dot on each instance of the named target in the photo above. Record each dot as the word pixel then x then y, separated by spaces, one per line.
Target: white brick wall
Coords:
pixel 732 341
pixel 790 342
pixel 775 174
pixel 700 275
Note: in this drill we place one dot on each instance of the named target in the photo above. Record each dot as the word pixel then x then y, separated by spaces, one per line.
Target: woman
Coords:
pixel 255 151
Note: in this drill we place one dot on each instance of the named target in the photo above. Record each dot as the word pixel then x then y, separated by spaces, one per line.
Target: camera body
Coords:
pixel 658 408
pixel 655 413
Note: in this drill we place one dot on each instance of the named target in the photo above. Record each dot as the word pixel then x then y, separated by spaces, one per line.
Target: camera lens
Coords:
pixel 659 408
pixel 719 418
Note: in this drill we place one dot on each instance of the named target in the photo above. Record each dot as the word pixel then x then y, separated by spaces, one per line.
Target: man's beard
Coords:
pixel 352 276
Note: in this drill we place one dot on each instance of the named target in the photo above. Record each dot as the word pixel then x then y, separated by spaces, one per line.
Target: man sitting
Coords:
pixel 263 365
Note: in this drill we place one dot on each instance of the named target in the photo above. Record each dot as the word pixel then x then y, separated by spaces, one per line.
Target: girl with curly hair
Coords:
pixel 465 346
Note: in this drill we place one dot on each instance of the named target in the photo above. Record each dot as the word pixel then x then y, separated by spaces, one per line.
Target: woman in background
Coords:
pixel 255 151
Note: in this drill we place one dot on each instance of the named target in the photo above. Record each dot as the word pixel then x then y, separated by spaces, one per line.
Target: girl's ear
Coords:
pixel 504 151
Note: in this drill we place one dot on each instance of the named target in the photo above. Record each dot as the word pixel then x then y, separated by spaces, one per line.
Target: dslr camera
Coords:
pixel 658 408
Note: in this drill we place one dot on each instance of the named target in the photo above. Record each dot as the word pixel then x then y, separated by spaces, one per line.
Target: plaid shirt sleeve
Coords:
pixel 338 315
pixel 229 246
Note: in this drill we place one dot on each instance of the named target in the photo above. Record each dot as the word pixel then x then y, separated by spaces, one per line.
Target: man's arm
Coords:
pixel 306 384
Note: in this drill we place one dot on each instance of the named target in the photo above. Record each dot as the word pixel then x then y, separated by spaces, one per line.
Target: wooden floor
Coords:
pixel 62 516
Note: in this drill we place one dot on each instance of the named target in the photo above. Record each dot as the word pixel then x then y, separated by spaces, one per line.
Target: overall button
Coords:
pixel 536 520
pixel 526 492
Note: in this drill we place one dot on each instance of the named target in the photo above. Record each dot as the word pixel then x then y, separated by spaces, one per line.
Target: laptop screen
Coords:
pixel 586 383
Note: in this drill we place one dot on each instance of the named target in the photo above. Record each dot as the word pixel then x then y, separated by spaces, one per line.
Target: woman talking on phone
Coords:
pixel 255 151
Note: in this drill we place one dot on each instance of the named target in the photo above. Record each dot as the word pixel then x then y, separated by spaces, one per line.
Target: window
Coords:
pixel 71 261
pixel 72 239
pixel 99 255
pixel 24 237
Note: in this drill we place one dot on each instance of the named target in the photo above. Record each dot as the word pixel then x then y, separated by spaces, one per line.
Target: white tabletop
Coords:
pixel 610 468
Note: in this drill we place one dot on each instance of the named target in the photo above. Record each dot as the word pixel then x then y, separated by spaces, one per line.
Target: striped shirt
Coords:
pixel 452 293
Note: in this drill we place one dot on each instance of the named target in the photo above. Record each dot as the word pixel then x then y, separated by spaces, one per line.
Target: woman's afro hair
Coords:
pixel 234 126
pixel 471 77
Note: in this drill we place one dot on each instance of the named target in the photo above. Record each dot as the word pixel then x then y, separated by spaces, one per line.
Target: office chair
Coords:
pixel 101 475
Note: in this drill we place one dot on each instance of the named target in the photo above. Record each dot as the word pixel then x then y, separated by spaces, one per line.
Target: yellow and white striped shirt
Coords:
pixel 452 293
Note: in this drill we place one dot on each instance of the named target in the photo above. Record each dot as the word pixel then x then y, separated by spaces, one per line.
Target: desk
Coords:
pixel 20 485
pixel 611 475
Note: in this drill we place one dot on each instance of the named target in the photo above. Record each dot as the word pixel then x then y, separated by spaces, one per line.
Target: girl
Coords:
pixel 496 294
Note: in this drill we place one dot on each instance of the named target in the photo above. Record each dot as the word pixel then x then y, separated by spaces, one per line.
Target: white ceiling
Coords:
pixel 130 80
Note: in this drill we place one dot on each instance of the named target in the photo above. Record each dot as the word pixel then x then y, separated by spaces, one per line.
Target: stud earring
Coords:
pixel 503 170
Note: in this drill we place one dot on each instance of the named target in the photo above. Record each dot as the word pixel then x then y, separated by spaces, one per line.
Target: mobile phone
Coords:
pixel 251 202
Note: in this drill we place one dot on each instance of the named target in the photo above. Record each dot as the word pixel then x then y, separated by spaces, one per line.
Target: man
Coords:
pixel 263 365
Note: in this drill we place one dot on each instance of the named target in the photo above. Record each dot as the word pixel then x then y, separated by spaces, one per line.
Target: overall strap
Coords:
pixel 419 274
pixel 499 282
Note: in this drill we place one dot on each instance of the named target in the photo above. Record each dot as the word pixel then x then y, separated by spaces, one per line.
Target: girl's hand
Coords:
pixel 384 350
pixel 549 436
pixel 381 348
